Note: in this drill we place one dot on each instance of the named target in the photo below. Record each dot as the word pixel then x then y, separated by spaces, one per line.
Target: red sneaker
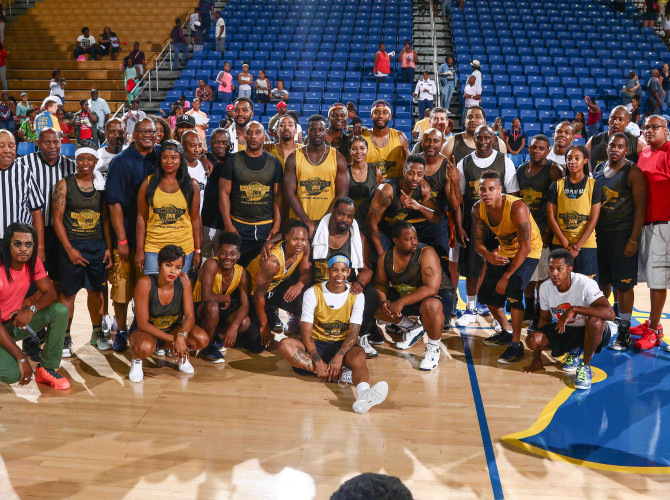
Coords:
pixel 640 329
pixel 52 378
pixel 650 339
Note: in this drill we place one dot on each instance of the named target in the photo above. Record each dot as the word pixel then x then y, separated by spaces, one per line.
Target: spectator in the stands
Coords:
pixel 666 18
pixel 179 44
pixel 4 52
pixel 651 13
pixel 47 119
pixel 515 140
pixel 85 44
pixel 382 64
pixel 100 108
pixel 279 93
pixel 593 117
pixel 579 125
pixel 472 93
pixel 281 111
pixel 425 91
pixel 197 38
pixel 655 94
pixel 22 107
pixel 138 58
pixel 195 20
pixel 133 117
pixel 163 130
pixel 185 104
pixel 220 34
pixel 448 75
pixel 7 113
pixel 476 70
pixel 175 112
pixel 205 19
pixel 201 121
pixel 27 131
pixel 408 60
pixel 108 44
pixel 498 128
pixel 230 111
pixel 65 127
pixel 130 79
pixel 665 83
pixel 57 85
pixel 184 122
pixel 244 82
pixel 634 109
pixel 351 113
pixel 421 125
pixel 631 89
pixel 225 81
pixel 204 92
pixel 262 87
pixel 85 124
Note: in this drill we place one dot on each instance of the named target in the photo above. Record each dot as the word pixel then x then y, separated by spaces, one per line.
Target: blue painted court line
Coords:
pixel 483 425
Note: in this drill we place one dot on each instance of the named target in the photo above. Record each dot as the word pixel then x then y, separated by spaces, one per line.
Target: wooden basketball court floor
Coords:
pixel 251 429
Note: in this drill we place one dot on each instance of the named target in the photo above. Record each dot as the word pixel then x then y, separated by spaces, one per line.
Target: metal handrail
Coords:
pixel 120 108
pixel 433 37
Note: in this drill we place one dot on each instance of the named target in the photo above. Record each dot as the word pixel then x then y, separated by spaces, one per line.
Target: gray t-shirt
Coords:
pixel 655 85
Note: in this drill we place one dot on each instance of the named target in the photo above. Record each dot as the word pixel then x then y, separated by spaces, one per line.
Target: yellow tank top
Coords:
pixel 169 223
pixel 275 152
pixel 573 214
pixel 316 184
pixel 390 159
pixel 331 325
pixel 283 273
pixel 218 280
pixel 506 231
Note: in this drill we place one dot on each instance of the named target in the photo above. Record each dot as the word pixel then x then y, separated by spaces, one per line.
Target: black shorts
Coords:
pixel 470 263
pixel 92 277
pixel 327 351
pixel 614 267
pixel 224 314
pixel 447 297
pixel 51 252
pixel 586 262
pixel 572 338
pixel 515 287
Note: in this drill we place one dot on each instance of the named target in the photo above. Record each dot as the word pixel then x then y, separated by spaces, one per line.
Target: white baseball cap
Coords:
pixel 51 98
pixel 475 62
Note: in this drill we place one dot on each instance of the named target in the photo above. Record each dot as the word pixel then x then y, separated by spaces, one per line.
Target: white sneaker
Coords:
pixel 100 341
pixel 136 374
pixel 160 351
pixel 372 397
pixel 107 324
pixel 67 347
pixel 469 316
pixel 346 377
pixel 186 367
pixel 431 358
pixel 411 337
pixel 370 352
pixel 496 326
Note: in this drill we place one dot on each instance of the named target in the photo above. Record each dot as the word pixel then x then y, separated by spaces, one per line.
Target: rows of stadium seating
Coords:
pixel 540 58
pixel 322 50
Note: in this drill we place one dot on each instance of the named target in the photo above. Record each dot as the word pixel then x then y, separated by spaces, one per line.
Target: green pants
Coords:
pixel 54 318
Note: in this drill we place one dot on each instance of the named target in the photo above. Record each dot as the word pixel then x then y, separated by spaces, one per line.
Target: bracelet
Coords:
pixel 197 250
pixel 122 242
pixel 183 334
pixel 23 360
pixel 633 242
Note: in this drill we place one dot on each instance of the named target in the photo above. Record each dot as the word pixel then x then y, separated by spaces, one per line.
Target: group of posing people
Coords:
pixel 346 234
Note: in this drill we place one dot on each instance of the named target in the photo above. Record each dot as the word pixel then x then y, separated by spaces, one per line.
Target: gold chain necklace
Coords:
pixel 320 159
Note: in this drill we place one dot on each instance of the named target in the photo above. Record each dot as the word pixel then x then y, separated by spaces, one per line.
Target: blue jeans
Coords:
pixel 516 159
pixel 424 104
pixel 445 7
pixel 447 92
pixel 151 263
pixel 407 75
pixel 226 97
pixel 592 130
pixel 244 93
pixel 380 79
pixel 180 53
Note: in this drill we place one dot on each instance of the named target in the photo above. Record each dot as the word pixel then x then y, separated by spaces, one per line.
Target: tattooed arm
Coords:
pixel 58 209
pixel 381 201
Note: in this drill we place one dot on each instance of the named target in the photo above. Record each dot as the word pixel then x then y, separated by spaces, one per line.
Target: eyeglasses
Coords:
pixel 653 127
pixel 145 132
pixel 19 244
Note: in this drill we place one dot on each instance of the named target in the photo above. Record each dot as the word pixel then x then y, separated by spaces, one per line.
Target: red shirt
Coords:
pixel 12 294
pixel 85 125
pixel 656 168
pixel 383 63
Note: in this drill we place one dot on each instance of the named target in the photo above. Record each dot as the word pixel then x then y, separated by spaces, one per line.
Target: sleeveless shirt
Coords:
pixel 283 273
pixel 616 213
pixel 331 325
pixel 473 174
pixel 217 287
pixel 409 279
pixel 316 183
pixel 83 212
pixel 360 191
pixel 599 147
pixel 169 222
pixel 390 159
pixel 165 317
pixel 461 149
pixel 533 190
pixel 506 231
pixel 437 181
pixel 251 197
pixel 573 213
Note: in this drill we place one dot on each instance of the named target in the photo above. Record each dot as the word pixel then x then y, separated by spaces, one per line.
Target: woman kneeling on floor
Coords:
pixel 164 310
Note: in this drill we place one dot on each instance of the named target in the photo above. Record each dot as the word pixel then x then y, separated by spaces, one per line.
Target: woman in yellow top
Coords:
pixel 330 323
pixel 168 211
pixel 573 208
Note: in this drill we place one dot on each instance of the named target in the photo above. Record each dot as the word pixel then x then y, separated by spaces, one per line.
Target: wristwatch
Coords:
pixel 33 309
pixel 183 334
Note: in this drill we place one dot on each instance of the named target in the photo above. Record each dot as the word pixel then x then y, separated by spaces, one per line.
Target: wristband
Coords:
pixel 122 242
pixel 197 250
pixel 24 360
pixel 633 242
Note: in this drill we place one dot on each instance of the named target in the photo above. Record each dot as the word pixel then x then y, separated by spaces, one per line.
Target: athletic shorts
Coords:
pixel 448 298
pixel 453 253
pixel 470 263
pixel 51 245
pixel 92 277
pixel 542 270
pixel 123 276
pixel 515 286
pixel 572 338
pixel 614 268
pixel 327 351
pixel 224 314
pixel 586 262
pixel 655 253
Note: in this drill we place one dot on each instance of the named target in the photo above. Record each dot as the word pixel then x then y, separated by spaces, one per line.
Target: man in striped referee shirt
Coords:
pixel 21 200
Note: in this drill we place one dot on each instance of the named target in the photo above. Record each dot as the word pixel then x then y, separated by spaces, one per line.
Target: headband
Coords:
pixel 337 106
pixel 82 151
pixel 338 258
pixel 381 106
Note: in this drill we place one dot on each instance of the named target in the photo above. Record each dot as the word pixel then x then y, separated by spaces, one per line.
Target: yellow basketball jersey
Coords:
pixel 275 152
pixel 169 223
pixel 316 183
pixel 283 273
pixel 390 159
pixel 218 281
pixel 506 231
pixel 573 214
pixel 331 325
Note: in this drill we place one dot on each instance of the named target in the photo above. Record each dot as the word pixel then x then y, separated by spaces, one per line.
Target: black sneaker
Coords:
pixel 32 350
pixel 273 319
pixel 536 319
pixel 512 354
pixel 502 338
pixel 375 338
pixel 622 341
pixel 447 324
pixel 529 311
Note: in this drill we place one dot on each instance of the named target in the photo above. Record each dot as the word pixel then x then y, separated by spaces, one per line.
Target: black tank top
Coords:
pixel 251 195
pixel 395 211
pixel 320 266
pixel 461 149
pixel 83 212
pixel 360 191
pixel 599 148
pixel 437 182
pixel 165 317
pixel 616 212
pixel 472 175
pixel 407 280
pixel 533 190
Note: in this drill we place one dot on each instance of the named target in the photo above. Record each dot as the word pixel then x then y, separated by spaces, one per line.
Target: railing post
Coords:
pixel 149 85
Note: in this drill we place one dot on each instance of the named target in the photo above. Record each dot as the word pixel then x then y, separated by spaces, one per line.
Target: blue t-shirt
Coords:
pixel 125 175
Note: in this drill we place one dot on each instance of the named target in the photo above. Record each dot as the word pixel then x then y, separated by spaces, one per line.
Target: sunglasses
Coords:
pixel 19 244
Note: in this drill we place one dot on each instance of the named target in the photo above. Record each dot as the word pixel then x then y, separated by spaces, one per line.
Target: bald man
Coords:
pixel 564 135
pixel 618 121
pixel 461 145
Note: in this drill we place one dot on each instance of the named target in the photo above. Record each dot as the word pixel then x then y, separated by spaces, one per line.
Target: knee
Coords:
pixel 595 324
pixel 199 338
pixel 430 307
pixel 12 375
pixel 533 340
pixel 142 348
pixel 284 347
pixel 245 325
pixel 211 310
pixel 60 310
pixel 356 357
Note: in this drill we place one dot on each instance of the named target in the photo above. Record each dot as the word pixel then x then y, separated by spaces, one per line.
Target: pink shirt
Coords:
pixel 12 294
pixel 406 62
pixel 227 79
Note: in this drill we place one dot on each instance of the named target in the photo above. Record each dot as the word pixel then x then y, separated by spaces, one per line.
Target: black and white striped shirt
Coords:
pixel 19 195
pixel 47 176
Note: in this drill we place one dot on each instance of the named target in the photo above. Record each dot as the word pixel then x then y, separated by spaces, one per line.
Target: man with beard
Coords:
pixel 115 137
pixel 470 168
pixel 534 178
pixel 461 145
pixel 336 135
pixel 388 148
pixel 190 140
pixel 314 176
pixel 438 121
pixel 212 223
pixel 564 134
pixel 281 111
pixel 286 128
pixel 250 196
pixel 598 144
pixel 243 113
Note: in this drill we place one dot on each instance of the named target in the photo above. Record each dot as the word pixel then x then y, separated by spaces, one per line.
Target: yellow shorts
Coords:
pixel 123 276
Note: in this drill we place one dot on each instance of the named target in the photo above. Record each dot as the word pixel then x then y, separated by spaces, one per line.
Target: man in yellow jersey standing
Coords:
pixel 388 148
pixel 511 265
pixel 314 176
